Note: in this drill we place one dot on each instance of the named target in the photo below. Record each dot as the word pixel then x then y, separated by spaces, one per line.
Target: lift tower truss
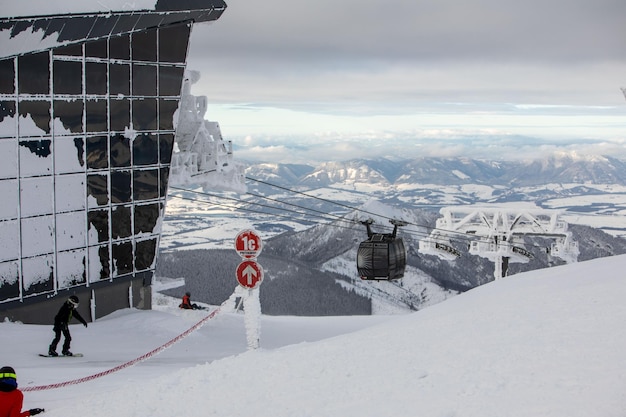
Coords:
pixel 499 235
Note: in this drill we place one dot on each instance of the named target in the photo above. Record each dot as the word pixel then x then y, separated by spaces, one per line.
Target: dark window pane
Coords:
pixel 7 109
pixel 96 115
pixel 170 80
pixel 97 152
pixel 96 78
pixel 40 148
pixel 119 79
pixel 97 188
pixel 78 29
pixel 69 50
pixel 145 252
pixel 165 176
pixel 103 260
pixel 126 23
pixel 120 187
pixel 103 26
pixel 39 111
pixel 68 77
pixel 167 108
pixel 120 114
pixel 10 278
pixel 145 184
pixel 34 73
pixel 7 76
pixel 145 114
pixel 122 258
pixel 119 47
pixel 144 46
pixel 97 49
pixel 166 145
pixel 146 218
pixel 120 151
pixel 99 219
pixel 70 113
pixel 144 80
pixel 173 42
pixel 121 222
pixel 145 150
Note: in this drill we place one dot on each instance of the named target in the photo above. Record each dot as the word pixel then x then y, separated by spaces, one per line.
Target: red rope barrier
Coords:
pixel 127 364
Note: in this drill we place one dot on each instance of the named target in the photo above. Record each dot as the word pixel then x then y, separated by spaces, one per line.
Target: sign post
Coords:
pixel 249 273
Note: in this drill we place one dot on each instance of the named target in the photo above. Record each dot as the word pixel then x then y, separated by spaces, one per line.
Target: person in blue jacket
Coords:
pixel 61 326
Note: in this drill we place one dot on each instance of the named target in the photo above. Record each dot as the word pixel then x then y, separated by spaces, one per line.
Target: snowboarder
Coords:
pixel 11 398
pixel 187 304
pixel 61 325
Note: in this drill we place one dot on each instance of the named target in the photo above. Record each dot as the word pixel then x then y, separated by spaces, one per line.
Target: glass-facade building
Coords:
pixel 87 123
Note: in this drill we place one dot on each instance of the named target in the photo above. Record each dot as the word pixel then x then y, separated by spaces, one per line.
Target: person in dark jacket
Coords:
pixel 187 304
pixel 61 326
pixel 11 398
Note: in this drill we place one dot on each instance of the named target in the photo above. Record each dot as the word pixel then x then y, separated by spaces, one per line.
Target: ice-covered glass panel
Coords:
pixel 145 254
pixel 99 261
pixel 98 226
pixel 122 254
pixel 35 157
pixel 173 41
pixel 144 45
pixel 96 78
pixel 70 201
pixel 8 121
pixel 170 80
pixel 71 268
pixel 9 240
pixel 97 152
pixel 34 118
pixel 37 235
pixel 146 218
pixel 119 79
pixel 69 50
pixel 167 109
pixel 144 80
pixel 9 152
pixel 69 155
pixel 120 186
pixel 120 114
pixel 145 114
pixel 34 73
pixel 120 151
pixel 121 222
pixel 69 113
pixel 145 184
pixel 9 190
pixel 37 274
pixel 7 76
pixel 97 190
pixel 96 115
pixel 37 196
pixel 145 149
pixel 68 77
pixel 9 280
pixel 70 230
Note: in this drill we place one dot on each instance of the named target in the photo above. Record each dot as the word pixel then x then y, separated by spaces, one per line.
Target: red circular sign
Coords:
pixel 248 244
pixel 249 274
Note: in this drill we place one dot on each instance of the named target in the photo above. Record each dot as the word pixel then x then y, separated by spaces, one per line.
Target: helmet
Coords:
pixel 188 294
pixel 8 378
pixel 73 300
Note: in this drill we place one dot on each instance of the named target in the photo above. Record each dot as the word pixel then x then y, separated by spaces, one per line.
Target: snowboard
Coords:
pixel 75 355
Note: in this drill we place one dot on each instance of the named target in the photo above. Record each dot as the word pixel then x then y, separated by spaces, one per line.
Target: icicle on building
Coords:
pixel 88 102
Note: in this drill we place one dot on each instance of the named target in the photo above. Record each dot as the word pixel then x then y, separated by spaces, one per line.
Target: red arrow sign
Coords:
pixel 249 274
pixel 248 244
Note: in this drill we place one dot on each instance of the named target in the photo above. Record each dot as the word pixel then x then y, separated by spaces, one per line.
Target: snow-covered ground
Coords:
pixel 545 343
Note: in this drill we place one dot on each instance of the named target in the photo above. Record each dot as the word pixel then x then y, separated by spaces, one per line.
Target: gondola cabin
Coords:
pixel 382 256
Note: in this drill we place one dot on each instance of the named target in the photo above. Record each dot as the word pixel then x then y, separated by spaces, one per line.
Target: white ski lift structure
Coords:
pixel 623 91
pixel 201 156
pixel 499 235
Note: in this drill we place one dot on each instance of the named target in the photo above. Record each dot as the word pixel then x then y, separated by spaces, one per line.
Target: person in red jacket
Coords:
pixel 187 304
pixel 11 398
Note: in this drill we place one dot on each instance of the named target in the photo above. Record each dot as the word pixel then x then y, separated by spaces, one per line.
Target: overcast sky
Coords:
pixel 433 69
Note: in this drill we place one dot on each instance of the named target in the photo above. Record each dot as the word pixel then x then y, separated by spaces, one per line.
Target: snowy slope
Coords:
pixel 544 343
